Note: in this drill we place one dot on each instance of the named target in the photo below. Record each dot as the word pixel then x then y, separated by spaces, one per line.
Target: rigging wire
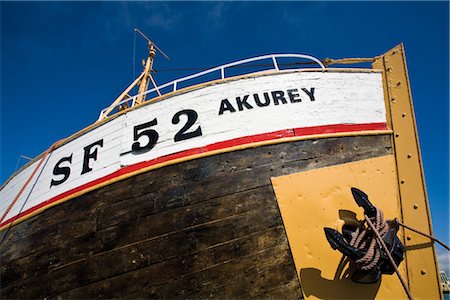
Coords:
pixel 43 158
pixel 424 234
pixel 386 250
pixel 134 56
pixel 18 161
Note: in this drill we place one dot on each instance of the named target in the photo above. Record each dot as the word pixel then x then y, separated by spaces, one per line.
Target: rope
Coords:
pixel 28 180
pixel 364 240
pixel 361 238
pixel 380 240
pixel 424 234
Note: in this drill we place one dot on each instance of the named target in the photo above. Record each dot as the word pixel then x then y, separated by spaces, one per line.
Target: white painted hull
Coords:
pixel 287 106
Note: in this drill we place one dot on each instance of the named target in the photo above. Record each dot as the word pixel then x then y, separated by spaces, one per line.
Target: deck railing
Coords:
pixel 131 101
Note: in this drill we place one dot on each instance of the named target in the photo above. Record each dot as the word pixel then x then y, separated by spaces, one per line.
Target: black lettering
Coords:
pixel 243 102
pixel 310 94
pixel 57 170
pixel 259 103
pixel 293 96
pixel 88 155
pixel 278 96
pixel 143 130
pixel 191 119
pixel 266 96
pixel 226 105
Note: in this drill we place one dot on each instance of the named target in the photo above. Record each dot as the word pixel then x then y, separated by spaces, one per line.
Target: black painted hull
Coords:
pixel 210 227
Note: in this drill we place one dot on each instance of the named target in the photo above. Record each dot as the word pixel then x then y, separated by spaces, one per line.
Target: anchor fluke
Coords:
pixel 338 242
pixel 362 200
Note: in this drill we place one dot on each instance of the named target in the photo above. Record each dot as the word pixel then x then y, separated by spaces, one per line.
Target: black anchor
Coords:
pixel 341 243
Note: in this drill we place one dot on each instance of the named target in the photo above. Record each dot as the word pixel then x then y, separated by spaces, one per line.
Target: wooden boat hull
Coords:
pixel 202 228
pixel 132 207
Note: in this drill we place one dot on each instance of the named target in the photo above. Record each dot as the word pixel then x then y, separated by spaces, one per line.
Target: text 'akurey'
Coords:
pixel 266 99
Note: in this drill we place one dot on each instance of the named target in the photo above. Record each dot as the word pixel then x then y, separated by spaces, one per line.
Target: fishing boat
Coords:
pixel 223 189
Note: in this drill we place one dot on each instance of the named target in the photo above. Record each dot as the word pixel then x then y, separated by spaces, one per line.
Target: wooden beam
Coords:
pixel 124 93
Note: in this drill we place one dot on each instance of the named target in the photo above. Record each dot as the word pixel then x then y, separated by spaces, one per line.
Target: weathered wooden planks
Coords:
pixel 207 227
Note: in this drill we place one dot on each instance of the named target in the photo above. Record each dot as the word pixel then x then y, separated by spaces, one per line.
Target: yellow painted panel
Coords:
pixel 312 200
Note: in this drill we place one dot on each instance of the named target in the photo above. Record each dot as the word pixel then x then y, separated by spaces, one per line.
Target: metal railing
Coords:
pixel 131 101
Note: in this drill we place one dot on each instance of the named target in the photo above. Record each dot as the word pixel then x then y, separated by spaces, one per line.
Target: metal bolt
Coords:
pixel 415 206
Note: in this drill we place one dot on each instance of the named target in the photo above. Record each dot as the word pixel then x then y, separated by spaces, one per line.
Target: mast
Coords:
pixel 142 80
pixel 148 68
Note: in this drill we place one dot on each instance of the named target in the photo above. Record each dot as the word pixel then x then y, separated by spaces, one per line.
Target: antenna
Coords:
pixel 142 81
pixel 151 43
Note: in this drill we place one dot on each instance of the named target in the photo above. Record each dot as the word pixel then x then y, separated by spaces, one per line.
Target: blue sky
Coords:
pixel 62 62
